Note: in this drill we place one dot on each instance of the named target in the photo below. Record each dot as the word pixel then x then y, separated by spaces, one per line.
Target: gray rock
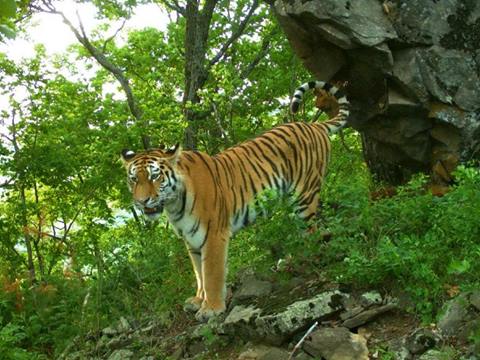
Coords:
pixel 277 327
pixel 345 24
pixel 400 58
pixel 421 340
pixel 122 354
pixel 401 105
pixel 475 299
pixel 459 317
pixel 367 315
pixel 371 298
pixel 242 314
pixel 109 331
pixel 434 355
pixel 196 348
pixel 123 325
pixel 251 288
pixel 352 312
pixel 336 344
pixel 451 76
pixel 397 347
pixel 402 354
pixel 407 15
pixel 454 316
pixel 241 322
pixel 119 342
pixel 262 352
pixel 302 356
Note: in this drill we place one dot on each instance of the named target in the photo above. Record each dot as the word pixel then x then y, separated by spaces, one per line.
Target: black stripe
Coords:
pixel 327 87
pixel 278 153
pixel 224 170
pixel 182 209
pixel 235 216
pixel 307 218
pixel 206 235
pixel 266 175
pixel 194 228
pixel 205 162
pixel 272 164
pixel 294 128
pixel 255 171
pixel 245 217
pixel 193 203
pixel 339 94
pixel 287 160
pixel 188 156
pixel 223 212
pixel 243 171
pixel 229 166
pixel 312 84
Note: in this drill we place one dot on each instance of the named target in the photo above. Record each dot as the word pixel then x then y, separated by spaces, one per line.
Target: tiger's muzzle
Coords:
pixel 153 211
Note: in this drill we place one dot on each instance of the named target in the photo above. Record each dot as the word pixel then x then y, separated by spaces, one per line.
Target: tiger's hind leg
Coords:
pixel 194 303
pixel 307 205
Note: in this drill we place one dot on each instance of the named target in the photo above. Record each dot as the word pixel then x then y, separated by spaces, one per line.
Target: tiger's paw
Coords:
pixel 206 313
pixel 192 304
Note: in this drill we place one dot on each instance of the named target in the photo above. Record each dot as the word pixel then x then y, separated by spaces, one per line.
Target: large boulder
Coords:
pixel 412 69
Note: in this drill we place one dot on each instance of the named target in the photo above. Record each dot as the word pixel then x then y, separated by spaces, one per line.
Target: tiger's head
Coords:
pixel 152 178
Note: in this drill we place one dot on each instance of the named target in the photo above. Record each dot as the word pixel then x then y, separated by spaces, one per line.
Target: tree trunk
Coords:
pixel 196 74
pixel 26 237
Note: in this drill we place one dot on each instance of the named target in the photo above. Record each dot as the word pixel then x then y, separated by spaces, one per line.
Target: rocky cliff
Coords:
pixel 412 72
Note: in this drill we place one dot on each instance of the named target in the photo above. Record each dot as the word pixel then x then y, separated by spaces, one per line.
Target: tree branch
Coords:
pixel 6 183
pixel 113 36
pixel 235 35
pixel 101 59
pixel 260 55
pixel 105 63
pixel 175 6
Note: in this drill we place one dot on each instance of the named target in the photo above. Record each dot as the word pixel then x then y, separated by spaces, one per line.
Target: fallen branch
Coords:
pixel 302 340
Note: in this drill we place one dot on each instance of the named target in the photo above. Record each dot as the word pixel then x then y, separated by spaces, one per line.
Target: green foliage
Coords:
pixel 421 243
pixel 11 337
pixel 8 9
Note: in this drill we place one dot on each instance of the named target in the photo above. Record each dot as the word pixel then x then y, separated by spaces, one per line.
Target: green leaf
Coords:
pixel 7 32
pixel 8 8
pixel 459 267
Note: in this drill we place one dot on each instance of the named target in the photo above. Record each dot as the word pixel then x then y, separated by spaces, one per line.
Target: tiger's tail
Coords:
pixel 334 124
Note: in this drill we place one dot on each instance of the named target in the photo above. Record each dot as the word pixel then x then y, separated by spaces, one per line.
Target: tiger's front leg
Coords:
pixel 194 303
pixel 214 262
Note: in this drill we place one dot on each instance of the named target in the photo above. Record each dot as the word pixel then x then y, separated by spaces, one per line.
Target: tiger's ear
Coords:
pixel 174 153
pixel 127 155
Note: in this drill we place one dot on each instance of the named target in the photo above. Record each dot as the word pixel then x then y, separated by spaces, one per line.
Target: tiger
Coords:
pixel 207 198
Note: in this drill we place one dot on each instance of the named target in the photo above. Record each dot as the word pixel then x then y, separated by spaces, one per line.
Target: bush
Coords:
pixel 414 241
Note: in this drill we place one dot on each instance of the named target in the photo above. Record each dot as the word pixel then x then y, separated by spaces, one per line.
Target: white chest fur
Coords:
pixel 188 226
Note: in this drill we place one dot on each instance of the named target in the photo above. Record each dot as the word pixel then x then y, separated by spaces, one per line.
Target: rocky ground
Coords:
pixel 298 318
